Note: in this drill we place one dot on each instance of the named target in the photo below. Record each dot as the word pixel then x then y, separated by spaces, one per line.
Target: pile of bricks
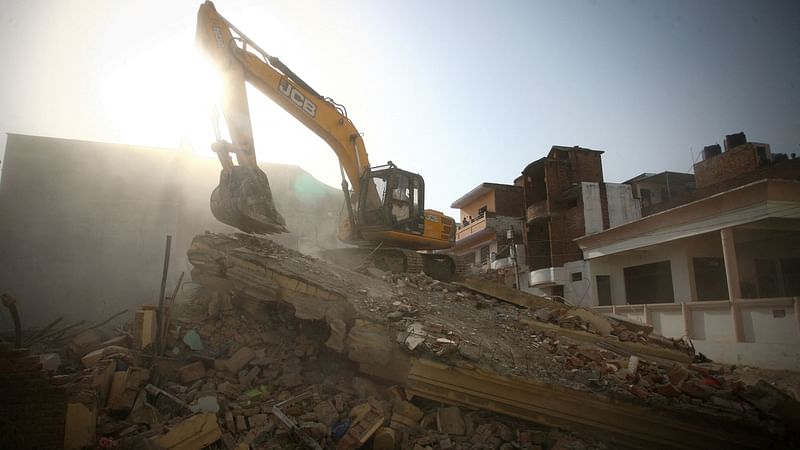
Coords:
pixel 33 406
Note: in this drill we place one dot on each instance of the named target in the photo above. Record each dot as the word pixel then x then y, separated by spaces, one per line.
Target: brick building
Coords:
pixel 34 407
pixel 654 190
pixel 487 213
pixel 565 197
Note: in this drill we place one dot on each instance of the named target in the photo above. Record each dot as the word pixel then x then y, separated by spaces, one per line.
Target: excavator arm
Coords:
pixel 242 199
pixel 386 204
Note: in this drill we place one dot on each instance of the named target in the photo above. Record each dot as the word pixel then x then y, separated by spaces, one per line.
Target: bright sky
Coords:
pixel 460 91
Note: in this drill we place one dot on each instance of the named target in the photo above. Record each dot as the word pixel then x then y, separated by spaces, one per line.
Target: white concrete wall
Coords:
pixel 770 324
pixel 655 191
pixel 580 292
pixel 592 209
pixel 767 356
pixel 770 338
pixel 668 323
pixel 622 207
pixel 613 266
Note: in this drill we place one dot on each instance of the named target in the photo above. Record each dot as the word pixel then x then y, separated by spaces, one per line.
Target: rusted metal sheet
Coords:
pixel 624 422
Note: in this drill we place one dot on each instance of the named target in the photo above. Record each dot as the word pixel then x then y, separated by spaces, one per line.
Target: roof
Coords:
pixel 573 148
pixel 678 177
pixel 762 199
pixel 483 189
pixel 561 148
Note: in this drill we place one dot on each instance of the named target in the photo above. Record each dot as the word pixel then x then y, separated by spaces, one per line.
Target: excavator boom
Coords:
pixel 243 199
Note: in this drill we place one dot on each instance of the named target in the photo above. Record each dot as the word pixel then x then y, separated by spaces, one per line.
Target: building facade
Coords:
pixel 488 213
pixel 721 266
pixel 565 197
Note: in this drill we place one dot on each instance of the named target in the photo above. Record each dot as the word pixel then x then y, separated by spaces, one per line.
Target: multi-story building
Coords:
pixel 720 264
pixel 488 212
pixel 565 197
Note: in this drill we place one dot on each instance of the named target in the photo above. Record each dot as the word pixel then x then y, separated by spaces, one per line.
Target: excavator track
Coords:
pixel 437 266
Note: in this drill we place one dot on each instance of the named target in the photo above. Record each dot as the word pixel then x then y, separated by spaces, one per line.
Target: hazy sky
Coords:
pixel 460 91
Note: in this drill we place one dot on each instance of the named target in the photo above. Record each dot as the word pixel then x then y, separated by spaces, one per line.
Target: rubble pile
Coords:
pixel 280 350
pixel 235 381
pixel 388 322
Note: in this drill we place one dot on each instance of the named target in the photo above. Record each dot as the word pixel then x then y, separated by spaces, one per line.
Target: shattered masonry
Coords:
pixel 278 349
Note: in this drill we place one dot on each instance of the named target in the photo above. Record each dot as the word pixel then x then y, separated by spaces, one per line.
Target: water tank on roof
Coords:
pixel 734 140
pixel 710 151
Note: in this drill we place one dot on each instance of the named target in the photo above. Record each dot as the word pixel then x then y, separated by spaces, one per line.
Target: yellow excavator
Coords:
pixel 385 215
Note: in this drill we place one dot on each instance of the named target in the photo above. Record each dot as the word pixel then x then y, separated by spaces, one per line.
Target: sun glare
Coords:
pixel 163 95
pixel 166 96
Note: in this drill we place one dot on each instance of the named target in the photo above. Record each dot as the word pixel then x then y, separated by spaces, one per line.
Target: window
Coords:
pixel 469 258
pixel 709 278
pixel 577 276
pixel 649 283
pixel 373 213
pixel 484 254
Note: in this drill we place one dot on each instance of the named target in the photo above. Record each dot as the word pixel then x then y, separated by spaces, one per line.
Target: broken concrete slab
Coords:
pixel 238 360
pixel 631 324
pixel 505 293
pixel 191 372
pixel 599 322
pixel 450 421
pixel 627 423
pixel 448 317
pixel 405 415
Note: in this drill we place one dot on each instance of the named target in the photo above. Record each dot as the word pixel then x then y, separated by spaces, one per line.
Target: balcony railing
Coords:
pixel 473 227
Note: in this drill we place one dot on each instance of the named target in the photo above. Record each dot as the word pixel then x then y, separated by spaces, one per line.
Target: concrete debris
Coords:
pixel 313 355
pixel 449 420
pixel 50 361
pixel 91 359
pixel 193 433
pixel 192 372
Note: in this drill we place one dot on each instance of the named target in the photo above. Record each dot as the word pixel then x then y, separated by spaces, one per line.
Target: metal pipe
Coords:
pixel 160 311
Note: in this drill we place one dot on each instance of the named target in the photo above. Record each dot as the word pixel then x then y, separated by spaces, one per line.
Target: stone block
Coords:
pixel 449 420
pixel 191 372
pixel 236 362
pixel 194 433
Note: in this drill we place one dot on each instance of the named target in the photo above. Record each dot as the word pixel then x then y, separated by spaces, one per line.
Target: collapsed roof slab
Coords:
pixel 352 306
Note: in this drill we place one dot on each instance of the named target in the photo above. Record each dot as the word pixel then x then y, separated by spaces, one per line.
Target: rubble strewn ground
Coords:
pixel 276 349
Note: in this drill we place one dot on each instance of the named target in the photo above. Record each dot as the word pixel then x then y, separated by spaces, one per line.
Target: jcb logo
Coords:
pixel 298 98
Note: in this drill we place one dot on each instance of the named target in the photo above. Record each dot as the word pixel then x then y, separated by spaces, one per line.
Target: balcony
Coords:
pixel 537 211
pixel 547 277
pixel 476 226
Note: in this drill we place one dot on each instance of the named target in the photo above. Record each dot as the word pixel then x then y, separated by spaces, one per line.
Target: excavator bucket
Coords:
pixel 243 200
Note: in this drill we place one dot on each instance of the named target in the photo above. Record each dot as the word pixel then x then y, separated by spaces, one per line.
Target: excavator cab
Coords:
pixel 392 199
